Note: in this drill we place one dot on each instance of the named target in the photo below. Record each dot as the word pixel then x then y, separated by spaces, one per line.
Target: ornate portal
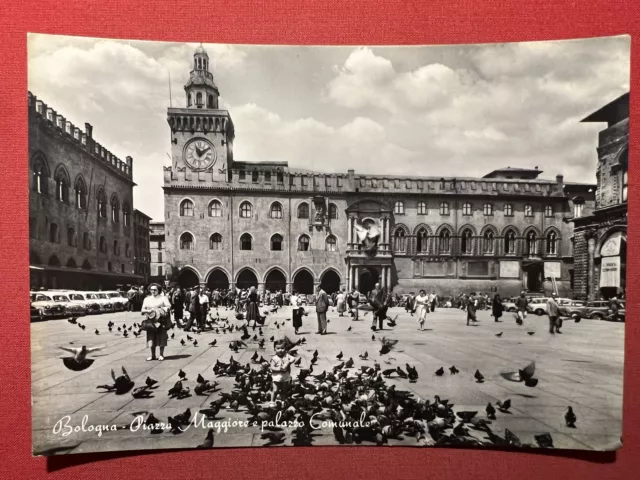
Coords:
pixel 368 236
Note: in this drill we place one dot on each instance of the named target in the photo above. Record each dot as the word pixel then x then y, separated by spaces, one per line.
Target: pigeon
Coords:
pixel 189 338
pixel 213 344
pixel 499 334
pixel 122 384
pixel 208 442
pixel 491 411
pixel 478 376
pixel 349 329
pixel 412 373
pixel 523 375
pixel 387 345
pixel 373 338
pixel 504 406
pixel 154 423
pixel 182 342
pixel 570 418
pixel 363 356
pixel 182 375
pixel 97 332
pixel 440 372
pixel 339 356
pixel 141 392
pixel 200 379
pixel 273 437
pixel 184 418
pixel 530 333
pixel 544 440
pixel 125 334
pixel 453 370
pixel 401 373
pixel 79 360
pixel 173 335
pixel 73 320
pixel 195 343
pixel 150 382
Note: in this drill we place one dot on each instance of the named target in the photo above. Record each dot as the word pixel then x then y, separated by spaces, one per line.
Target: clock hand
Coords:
pixel 199 152
pixel 205 150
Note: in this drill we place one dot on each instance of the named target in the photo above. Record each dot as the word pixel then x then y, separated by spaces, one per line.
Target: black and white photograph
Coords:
pixel 262 245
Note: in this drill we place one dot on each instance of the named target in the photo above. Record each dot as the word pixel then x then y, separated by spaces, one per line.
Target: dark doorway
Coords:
pixel 534 278
pixel 218 280
pixel 247 279
pixel 330 282
pixel 187 278
pixel 275 281
pixel 303 282
pixel 368 278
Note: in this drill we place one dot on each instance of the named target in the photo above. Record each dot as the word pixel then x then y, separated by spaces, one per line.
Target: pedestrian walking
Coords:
pixel 322 305
pixel 376 300
pixel 553 310
pixel 253 314
pixel 496 307
pixel 341 303
pixel 521 308
pixel 156 308
pixel 472 305
pixel 422 306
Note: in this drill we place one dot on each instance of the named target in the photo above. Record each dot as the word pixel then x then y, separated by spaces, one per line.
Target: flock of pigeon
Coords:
pixel 343 395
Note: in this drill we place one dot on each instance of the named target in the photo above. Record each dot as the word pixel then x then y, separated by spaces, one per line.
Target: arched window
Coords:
pixel 210 101
pixel 422 241
pixel 445 241
pixel 198 99
pixel 115 209
pixel 528 210
pixel 81 193
pixel 466 209
pixel 245 210
pixel 444 208
pixel 62 185
pixel 116 248
pixel 54 234
pixel 531 243
pixel 466 241
pixel 40 176
pixel 552 243
pixel 399 240
pixel 422 208
pixel 71 237
pixel 333 212
pixel 276 210
pixel 303 243
pixel 510 243
pixel 488 209
pixel 71 263
pixel 126 214
pixel 276 243
pixel 245 241
pixel 103 245
pixel 186 241
pixel 189 101
pixel 127 251
pixel 254 176
pixel 186 208
pixel 489 241
pixel 398 208
pixel 215 209
pixel 331 244
pixel 508 210
pixel 215 242
pixel 86 241
pixel 548 211
pixel 102 204
pixel 303 210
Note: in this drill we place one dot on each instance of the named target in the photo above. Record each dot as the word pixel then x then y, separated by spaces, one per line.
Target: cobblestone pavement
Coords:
pixel 582 367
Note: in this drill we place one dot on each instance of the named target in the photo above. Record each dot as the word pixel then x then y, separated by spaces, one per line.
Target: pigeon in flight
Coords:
pixel 79 360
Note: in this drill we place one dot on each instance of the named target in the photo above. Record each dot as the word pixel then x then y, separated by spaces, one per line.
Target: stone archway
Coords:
pixel 247 279
pixel 187 278
pixel 275 281
pixel 218 280
pixel 330 282
pixel 303 282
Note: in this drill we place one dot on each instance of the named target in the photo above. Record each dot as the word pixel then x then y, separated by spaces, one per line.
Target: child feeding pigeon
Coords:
pixel 280 366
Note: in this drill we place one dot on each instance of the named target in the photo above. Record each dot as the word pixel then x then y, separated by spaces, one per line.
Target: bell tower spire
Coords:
pixel 201 90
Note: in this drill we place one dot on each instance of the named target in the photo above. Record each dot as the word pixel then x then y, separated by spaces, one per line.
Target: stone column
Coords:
pixel 591 288
pixel 389 278
pixel 356 278
pixel 289 287
pixel 349 231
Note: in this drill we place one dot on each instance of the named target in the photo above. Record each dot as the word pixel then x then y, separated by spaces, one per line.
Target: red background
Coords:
pixel 300 22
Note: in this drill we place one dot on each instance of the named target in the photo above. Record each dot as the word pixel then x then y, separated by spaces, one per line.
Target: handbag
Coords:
pixel 148 325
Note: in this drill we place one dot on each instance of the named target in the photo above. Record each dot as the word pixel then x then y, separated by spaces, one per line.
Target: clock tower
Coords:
pixel 201 134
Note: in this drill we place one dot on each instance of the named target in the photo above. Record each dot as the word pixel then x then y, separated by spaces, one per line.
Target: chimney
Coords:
pixel 129 169
pixel 88 130
pixel 560 182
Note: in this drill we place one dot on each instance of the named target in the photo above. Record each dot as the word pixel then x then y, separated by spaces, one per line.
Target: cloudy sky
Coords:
pixel 443 110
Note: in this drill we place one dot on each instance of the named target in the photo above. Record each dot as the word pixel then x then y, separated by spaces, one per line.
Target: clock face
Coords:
pixel 200 154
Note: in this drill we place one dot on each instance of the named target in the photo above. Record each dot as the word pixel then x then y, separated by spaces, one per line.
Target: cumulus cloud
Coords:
pixel 445 110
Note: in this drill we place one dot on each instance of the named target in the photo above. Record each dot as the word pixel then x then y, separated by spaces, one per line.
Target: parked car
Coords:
pixel 35 313
pixel 120 301
pixel 87 299
pixel 46 306
pixel 73 308
pixel 597 309
pixel 106 304
pixel 509 304
pixel 538 306
pixel 573 308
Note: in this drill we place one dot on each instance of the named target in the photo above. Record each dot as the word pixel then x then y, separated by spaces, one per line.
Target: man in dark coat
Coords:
pixel 177 301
